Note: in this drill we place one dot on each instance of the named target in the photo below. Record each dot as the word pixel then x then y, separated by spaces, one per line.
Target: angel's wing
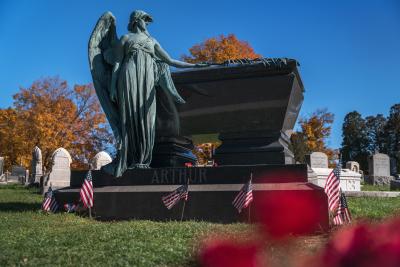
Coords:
pixel 101 62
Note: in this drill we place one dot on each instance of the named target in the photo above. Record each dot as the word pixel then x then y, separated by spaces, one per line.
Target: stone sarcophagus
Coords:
pixel 253 108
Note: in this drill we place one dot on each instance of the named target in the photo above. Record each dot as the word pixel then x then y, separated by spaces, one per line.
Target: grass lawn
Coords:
pixel 370 187
pixel 29 237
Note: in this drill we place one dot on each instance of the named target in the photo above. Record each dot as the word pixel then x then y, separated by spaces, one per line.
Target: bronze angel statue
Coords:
pixel 125 74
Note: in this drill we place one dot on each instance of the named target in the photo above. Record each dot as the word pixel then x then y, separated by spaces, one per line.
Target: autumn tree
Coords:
pixel 51 114
pixel 313 135
pixel 355 139
pixel 11 140
pixel 219 49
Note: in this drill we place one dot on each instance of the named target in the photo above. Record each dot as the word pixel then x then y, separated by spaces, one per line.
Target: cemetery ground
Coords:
pixel 30 237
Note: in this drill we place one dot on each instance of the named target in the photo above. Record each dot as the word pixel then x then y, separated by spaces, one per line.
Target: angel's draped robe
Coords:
pixel 137 107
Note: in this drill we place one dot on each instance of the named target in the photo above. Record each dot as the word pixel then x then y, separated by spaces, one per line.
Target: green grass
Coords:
pixel 369 187
pixel 373 208
pixel 30 238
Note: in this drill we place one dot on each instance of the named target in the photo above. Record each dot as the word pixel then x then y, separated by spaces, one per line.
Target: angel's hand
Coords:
pixel 201 65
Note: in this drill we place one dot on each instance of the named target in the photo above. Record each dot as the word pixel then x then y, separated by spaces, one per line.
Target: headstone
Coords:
pixel 379 165
pixel 17 171
pixel 379 169
pixel 60 171
pixel 353 166
pixel 99 160
pixel 317 160
pixel 393 167
pixel 27 180
pixel 1 166
pixel 36 165
pixel 17 174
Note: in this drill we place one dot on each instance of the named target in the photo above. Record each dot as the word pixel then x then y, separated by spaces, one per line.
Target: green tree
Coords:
pixel 377 135
pixel 355 139
pixel 393 133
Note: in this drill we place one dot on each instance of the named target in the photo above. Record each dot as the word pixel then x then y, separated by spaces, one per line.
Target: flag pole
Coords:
pixel 183 209
pixel 249 213
pixel 184 202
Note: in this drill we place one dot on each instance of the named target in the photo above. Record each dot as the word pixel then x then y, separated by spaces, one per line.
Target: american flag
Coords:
pixel 332 187
pixel 70 207
pixel 343 214
pixel 244 197
pixel 49 201
pixel 87 191
pixel 173 198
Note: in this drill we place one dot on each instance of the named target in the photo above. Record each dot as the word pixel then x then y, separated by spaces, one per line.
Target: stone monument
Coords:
pixel 353 166
pixel 252 105
pixel 350 178
pixel 36 165
pixel 99 160
pixel 17 174
pixel 60 173
pixel 1 166
pixel 379 169
pixel 317 160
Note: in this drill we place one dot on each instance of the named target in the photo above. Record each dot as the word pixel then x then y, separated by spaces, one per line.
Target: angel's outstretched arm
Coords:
pixel 163 55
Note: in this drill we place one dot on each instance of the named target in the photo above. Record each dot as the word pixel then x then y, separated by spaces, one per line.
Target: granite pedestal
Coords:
pixel 137 194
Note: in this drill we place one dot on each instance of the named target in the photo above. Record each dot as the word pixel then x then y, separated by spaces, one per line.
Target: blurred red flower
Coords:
pixel 365 245
pixel 228 253
pixel 282 213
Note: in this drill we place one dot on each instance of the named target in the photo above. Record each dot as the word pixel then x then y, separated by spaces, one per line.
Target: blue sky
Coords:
pixel 349 51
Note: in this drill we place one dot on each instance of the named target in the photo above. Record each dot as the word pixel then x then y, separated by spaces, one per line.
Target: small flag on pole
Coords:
pixel 332 188
pixel 343 215
pixel 87 191
pixel 244 197
pixel 49 203
pixel 70 207
pixel 173 198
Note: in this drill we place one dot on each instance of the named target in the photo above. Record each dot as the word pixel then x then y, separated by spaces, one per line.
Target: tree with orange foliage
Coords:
pixel 50 114
pixel 312 136
pixel 219 49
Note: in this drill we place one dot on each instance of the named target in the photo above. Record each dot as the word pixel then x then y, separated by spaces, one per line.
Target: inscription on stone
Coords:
pixel 179 176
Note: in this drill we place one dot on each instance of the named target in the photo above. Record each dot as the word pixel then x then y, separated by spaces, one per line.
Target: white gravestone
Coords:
pixel 36 165
pixel 317 160
pixel 353 166
pixel 349 180
pixel 379 169
pixel 60 174
pixel 99 160
pixel 1 166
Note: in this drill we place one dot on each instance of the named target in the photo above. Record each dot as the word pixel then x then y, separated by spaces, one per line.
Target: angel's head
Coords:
pixel 139 19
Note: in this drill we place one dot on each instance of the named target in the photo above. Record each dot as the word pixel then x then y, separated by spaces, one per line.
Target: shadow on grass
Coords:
pixel 18 206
